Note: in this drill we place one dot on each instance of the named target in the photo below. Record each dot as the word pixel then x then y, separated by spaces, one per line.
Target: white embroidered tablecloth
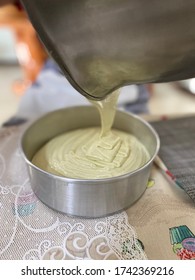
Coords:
pixel 31 230
pixel 160 225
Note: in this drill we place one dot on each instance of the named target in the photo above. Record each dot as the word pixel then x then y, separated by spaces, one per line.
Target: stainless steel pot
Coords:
pixel 87 198
pixel 102 45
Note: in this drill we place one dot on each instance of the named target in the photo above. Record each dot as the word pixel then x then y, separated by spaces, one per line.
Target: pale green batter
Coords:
pixel 85 154
pixel 93 153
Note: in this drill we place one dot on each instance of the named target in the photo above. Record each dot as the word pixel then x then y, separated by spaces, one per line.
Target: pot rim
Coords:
pixel 91 181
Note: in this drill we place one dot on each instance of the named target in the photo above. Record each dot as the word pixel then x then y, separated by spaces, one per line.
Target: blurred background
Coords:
pixel 26 70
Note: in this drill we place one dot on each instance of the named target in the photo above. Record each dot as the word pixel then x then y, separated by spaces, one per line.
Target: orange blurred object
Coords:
pixel 30 53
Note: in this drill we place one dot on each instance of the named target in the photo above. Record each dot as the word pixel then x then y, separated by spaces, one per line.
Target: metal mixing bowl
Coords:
pixel 87 198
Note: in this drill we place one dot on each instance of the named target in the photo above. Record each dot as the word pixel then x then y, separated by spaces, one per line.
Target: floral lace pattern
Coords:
pixel 30 230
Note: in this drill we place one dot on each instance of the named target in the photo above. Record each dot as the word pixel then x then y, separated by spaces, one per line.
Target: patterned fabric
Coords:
pixel 177 150
pixel 31 230
pixel 160 225
pixel 163 206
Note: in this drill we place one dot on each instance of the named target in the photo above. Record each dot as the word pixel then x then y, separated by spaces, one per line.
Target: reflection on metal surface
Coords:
pixel 102 45
pixel 88 198
pixel 188 85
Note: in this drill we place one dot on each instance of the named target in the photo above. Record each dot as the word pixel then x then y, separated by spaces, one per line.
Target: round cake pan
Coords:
pixel 87 198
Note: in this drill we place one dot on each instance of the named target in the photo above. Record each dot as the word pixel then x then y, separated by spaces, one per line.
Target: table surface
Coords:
pixel 160 225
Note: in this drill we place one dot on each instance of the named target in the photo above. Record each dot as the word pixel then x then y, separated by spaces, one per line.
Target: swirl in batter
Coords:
pixel 95 152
